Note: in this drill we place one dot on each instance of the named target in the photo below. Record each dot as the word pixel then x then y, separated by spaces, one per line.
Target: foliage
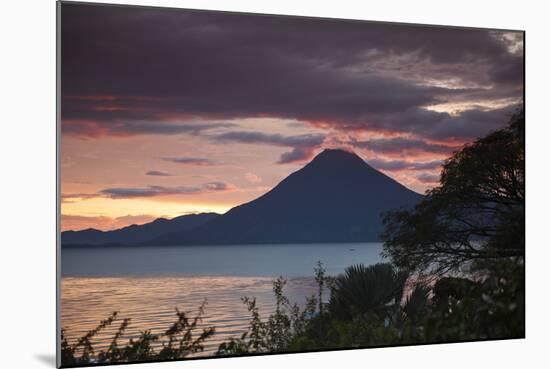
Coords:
pixel 417 305
pixel 275 333
pixel 369 306
pixel 361 290
pixel 476 213
pixel 176 342
pixel 490 308
pixel 363 303
pixel 452 309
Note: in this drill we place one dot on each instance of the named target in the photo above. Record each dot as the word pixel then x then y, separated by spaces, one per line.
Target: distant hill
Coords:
pixel 135 234
pixel 337 197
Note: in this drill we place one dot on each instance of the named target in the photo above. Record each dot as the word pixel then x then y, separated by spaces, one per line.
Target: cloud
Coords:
pixel 303 145
pixel 397 165
pixel 150 191
pixel 129 71
pixel 99 128
pixel 70 197
pixel 428 178
pixel 433 125
pixel 472 123
pixel 304 140
pixel 253 178
pixel 158 173
pixel 217 186
pixel 403 145
pixel 153 191
pixel 297 154
pixel 201 162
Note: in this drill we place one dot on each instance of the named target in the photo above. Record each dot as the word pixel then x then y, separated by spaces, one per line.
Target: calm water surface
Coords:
pixel 146 284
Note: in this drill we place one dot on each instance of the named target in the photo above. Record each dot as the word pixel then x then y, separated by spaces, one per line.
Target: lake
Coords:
pixel 146 284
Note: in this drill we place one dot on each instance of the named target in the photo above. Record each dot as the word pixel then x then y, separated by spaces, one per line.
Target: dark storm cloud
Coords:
pixel 157 173
pixel 305 140
pixel 396 165
pixel 154 65
pixel 151 191
pixel 99 128
pixel 472 123
pixel 303 146
pixel 201 162
pixel 401 144
pixel 466 126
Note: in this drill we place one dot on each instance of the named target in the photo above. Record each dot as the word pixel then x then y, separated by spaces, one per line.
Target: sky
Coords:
pixel 170 112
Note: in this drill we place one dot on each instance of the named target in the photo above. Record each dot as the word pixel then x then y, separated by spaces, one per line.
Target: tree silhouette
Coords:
pixel 477 213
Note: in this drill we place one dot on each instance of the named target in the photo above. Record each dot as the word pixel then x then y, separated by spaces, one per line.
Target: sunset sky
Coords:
pixel 169 112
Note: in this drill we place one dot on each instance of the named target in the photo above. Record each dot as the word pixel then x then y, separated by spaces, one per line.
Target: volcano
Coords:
pixel 337 197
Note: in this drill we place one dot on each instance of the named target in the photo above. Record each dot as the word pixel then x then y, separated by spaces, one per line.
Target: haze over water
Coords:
pixel 146 284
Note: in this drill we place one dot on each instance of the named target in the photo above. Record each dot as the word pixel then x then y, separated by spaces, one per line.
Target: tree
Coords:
pixel 477 213
pixel 489 308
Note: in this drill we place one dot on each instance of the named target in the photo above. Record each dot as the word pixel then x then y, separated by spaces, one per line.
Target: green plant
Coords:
pixel 367 290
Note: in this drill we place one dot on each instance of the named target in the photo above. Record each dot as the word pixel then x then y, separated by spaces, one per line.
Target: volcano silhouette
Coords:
pixel 337 197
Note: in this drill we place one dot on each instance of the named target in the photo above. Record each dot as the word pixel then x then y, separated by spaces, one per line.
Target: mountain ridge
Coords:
pixel 336 197
pixel 135 233
pixel 301 208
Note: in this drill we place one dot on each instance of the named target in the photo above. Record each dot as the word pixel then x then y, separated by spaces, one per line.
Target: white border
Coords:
pixel 28 181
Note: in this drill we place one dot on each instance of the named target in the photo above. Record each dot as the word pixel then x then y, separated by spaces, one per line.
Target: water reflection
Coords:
pixel 151 303
pixel 146 284
pixel 241 260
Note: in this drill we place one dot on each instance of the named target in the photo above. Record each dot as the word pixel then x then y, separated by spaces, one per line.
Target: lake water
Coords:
pixel 146 284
